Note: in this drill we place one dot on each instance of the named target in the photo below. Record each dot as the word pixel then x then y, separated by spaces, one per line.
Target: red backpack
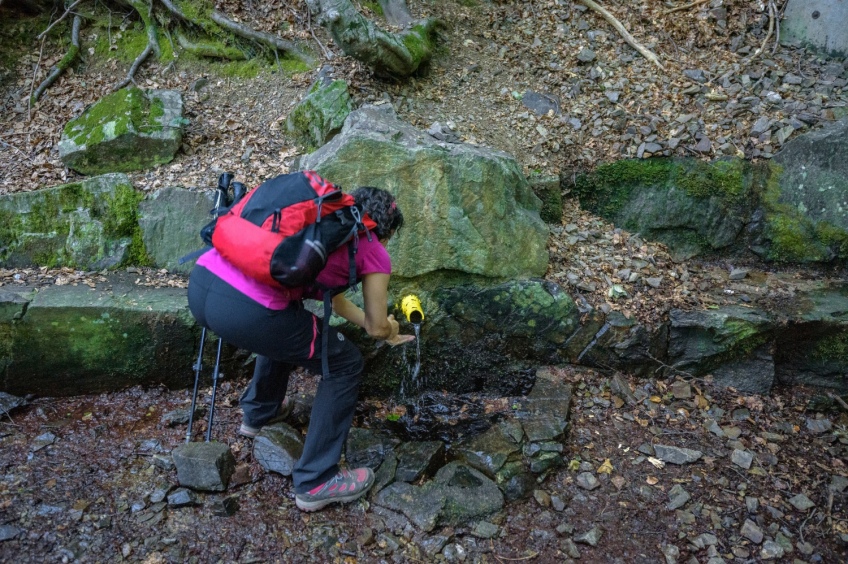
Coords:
pixel 284 230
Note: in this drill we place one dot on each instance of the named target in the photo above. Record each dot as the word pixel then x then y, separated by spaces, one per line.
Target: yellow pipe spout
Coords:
pixel 412 310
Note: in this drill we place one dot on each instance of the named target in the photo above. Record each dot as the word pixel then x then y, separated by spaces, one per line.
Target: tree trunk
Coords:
pixel 388 54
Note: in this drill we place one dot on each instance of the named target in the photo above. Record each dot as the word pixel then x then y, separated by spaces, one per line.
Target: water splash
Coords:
pixel 414 369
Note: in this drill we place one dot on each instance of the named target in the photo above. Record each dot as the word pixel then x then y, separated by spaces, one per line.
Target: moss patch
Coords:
pixel 608 189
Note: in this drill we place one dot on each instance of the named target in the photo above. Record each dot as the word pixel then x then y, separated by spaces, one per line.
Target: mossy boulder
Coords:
pixel 805 198
pixel 692 206
pixel 75 340
pixel 170 220
pixel 131 129
pixel 321 114
pixel 91 225
pixel 467 208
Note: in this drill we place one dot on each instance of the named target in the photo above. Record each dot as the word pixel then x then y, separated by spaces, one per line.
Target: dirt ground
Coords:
pixel 80 479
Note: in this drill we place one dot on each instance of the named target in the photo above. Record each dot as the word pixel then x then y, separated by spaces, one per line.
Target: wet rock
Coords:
pixel 801 502
pixel 417 459
pixel 590 537
pixel 751 531
pixel 742 458
pixel 204 466
pixel 277 448
pixel 385 474
pixel 182 497
pixel 456 495
pixel 367 447
pixel 676 455
pixel 490 451
pixel 587 481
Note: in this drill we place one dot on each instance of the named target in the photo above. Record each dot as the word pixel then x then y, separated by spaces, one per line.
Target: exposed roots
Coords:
pixel 64 63
pixel 225 38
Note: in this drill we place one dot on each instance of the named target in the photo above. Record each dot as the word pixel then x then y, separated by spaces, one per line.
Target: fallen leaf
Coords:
pixel 651 481
pixel 606 467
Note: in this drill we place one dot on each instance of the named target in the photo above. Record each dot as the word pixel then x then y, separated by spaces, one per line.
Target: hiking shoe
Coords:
pixel 345 486
pixel 285 410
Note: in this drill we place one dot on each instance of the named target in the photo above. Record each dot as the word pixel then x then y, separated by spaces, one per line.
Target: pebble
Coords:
pixel 752 532
pixel 801 502
pixel 678 497
pixel 771 550
pixel 587 481
pixel 742 458
pixel 819 426
pixel 676 455
pixel 590 537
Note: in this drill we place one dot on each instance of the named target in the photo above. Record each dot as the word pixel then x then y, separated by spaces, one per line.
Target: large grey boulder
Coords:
pixel 90 225
pixel 71 340
pixel 131 129
pixel 470 208
pixel 816 23
pixel 170 220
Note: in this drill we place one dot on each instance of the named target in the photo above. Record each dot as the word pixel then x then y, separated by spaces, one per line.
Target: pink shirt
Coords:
pixel 371 258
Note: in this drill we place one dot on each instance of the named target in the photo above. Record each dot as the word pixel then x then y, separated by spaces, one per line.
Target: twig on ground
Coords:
pixel 801 528
pixel 686 7
pixel 506 558
pixel 32 84
pixel 62 17
pixel 838 400
pixel 644 51
pixel 27 157
pixel 66 61
pixel 327 53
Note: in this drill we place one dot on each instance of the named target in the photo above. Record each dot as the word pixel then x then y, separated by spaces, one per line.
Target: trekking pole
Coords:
pixel 214 389
pixel 198 366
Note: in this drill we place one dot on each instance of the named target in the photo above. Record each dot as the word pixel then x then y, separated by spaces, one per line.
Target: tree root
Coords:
pixel 64 63
pixel 269 40
pixel 145 11
pixel 644 51
pixel 395 55
pixel 211 50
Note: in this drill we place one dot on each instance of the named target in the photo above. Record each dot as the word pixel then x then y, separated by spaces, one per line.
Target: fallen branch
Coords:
pixel 644 51
pixel 838 400
pixel 62 17
pixel 64 63
pixel 686 7
pixel 267 39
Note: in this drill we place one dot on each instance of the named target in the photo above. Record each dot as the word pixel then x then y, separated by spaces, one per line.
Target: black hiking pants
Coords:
pixel 283 339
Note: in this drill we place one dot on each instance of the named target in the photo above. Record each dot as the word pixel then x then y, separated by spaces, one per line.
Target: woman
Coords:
pixel 272 322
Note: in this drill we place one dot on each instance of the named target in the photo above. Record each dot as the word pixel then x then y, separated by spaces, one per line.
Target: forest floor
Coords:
pixel 79 479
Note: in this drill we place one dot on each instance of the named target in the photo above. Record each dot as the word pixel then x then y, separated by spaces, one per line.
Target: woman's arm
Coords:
pixel 373 318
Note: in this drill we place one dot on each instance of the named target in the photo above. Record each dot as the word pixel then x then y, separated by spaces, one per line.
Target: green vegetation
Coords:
pixel 832 347
pixel 118 113
pixel 609 187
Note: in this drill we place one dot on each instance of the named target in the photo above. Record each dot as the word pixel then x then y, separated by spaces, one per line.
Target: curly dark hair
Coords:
pixel 380 206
